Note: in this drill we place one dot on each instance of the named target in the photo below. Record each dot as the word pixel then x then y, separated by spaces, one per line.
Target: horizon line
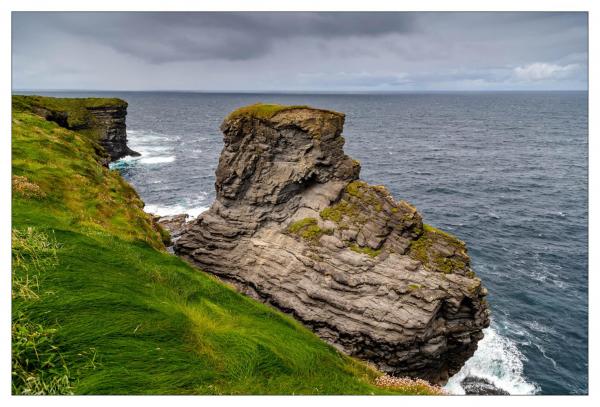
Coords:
pixel 301 91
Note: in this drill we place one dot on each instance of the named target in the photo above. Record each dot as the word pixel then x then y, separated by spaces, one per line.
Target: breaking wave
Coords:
pixel 157 160
pixel 498 360
pixel 193 212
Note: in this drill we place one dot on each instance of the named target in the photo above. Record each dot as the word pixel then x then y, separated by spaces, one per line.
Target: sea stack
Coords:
pixel 294 226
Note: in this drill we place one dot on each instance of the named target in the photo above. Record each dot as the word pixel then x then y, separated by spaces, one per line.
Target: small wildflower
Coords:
pixel 413 386
pixel 27 189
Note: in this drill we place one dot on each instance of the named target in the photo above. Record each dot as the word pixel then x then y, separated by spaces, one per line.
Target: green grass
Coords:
pixel 62 169
pixel 100 308
pixel 267 110
pixel 26 103
pixel 72 113
pixel 261 110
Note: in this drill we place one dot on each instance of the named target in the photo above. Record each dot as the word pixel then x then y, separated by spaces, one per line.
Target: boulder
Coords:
pixel 479 386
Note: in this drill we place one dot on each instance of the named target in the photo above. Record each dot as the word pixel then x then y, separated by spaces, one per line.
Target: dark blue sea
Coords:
pixel 507 172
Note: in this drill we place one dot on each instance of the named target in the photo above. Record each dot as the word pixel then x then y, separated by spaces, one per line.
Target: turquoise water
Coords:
pixel 506 172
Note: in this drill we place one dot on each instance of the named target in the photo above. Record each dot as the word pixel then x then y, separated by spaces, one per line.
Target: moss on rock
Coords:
pixel 308 229
pixel 340 210
pixel 439 251
pixel 365 250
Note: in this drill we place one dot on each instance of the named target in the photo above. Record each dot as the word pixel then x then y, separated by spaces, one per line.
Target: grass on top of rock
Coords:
pixel 99 310
pixel 267 110
pixel 26 103
pixel 261 110
pixel 73 113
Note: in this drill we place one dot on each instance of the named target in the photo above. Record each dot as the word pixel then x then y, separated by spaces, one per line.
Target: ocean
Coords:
pixel 507 172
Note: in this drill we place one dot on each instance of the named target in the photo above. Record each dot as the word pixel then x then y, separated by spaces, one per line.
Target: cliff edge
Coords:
pixel 101 118
pixel 293 226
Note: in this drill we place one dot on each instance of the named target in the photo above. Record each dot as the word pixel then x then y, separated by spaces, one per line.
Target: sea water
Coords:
pixel 504 171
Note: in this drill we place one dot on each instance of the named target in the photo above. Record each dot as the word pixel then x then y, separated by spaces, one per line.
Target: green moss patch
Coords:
pixel 424 250
pixel 357 189
pixel 308 229
pixel 413 287
pixel 340 210
pixel 365 250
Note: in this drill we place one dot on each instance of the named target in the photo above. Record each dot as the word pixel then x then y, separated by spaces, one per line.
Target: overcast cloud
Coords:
pixel 299 51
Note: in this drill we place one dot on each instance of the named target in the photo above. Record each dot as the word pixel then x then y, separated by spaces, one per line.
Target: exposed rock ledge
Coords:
pixel 104 118
pixel 294 227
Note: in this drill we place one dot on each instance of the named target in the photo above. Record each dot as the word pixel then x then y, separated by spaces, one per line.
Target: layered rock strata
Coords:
pixel 293 226
pixel 111 122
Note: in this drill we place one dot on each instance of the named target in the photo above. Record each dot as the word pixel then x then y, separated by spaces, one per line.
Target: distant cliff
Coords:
pixel 102 118
pixel 293 226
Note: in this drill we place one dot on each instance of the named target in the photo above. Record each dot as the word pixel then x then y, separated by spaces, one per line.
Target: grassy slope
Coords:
pixel 124 317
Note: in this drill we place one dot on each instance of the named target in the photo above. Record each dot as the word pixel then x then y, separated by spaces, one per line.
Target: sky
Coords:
pixel 289 51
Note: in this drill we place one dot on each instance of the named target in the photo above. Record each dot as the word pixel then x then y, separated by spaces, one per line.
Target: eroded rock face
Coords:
pixel 294 227
pixel 111 121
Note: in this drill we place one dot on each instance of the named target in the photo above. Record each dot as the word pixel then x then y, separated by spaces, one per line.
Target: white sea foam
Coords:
pixel 155 148
pixel 157 160
pixel 498 360
pixel 193 212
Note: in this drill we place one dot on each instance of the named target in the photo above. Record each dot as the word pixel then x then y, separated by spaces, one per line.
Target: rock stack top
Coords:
pixel 293 226
pixel 272 153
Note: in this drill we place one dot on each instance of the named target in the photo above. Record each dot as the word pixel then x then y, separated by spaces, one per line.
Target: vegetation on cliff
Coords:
pixel 265 110
pixel 73 113
pixel 100 308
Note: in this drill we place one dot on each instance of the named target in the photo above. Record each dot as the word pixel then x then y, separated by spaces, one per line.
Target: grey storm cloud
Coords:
pixel 182 36
pixel 299 50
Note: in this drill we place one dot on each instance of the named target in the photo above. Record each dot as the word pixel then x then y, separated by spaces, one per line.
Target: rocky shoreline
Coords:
pixel 294 227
